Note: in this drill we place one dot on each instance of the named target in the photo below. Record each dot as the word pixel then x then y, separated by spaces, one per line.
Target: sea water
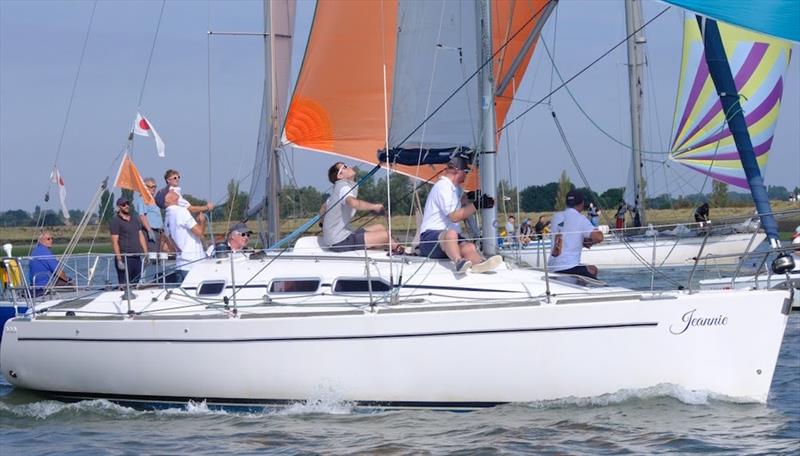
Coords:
pixel 660 419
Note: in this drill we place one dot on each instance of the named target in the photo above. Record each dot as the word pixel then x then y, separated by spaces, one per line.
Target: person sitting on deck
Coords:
pixel 339 209
pixel 571 233
pixel 446 206
pixel 235 240
pixel 43 264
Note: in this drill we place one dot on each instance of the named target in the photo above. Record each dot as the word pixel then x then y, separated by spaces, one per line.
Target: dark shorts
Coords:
pixel 429 244
pixel 353 242
pixel 580 270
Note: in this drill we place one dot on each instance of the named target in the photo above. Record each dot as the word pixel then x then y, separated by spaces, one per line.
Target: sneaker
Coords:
pixel 488 265
pixel 463 266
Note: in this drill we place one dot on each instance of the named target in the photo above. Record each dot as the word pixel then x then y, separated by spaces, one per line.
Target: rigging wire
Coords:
pixel 602 56
pixel 476 72
pixel 583 111
pixel 150 56
pixel 41 216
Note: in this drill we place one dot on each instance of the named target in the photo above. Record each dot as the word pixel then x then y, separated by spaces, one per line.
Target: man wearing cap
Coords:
pixel 440 231
pixel 235 241
pixel 339 209
pixel 186 233
pixel 571 232
pixel 128 243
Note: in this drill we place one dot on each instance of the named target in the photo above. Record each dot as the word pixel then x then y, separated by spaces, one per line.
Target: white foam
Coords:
pixel 684 395
pixel 44 409
pixel 325 400
pixel 193 408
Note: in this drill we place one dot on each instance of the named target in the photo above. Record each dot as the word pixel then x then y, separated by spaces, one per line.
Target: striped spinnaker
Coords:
pixel 701 139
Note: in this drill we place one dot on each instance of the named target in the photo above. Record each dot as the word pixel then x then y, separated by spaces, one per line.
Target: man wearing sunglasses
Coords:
pixel 43 264
pixel 128 243
pixel 440 231
pixel 339 209
pixel 173 179
pixel 235 241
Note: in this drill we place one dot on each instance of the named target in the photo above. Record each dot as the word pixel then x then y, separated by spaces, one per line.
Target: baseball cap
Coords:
pixel 239 227
pixel 121 201
pixel 574 198
pixel 458 162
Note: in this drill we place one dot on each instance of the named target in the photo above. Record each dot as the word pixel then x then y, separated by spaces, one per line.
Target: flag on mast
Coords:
pixel 55 177
pixel 128 177
pixel 143 127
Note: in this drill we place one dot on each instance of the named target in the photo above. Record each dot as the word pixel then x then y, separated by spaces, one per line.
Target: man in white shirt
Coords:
pixel 571 232
pixel 339 209
pixel 440 230
pixel 186 233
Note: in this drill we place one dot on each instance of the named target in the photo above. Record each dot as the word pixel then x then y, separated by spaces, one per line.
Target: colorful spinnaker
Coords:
pixel 701 138
pixel 418 53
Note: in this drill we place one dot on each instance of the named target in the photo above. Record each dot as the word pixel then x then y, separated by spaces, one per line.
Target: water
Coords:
pixel 654 420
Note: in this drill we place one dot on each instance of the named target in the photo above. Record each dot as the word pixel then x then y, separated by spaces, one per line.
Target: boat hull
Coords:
pixel 668 251
pixel 467 356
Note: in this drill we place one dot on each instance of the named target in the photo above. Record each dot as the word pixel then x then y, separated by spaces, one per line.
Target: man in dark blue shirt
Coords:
pixel 43 264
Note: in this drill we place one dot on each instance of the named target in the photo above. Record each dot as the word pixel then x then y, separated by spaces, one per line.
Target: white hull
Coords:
pixel 430 350
pixel 669 251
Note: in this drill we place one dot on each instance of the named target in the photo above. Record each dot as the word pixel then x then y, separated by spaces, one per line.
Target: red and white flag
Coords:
pixel 55 177
pixel 143 127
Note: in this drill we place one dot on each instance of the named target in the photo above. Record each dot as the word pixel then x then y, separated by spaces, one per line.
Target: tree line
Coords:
pixel 304 202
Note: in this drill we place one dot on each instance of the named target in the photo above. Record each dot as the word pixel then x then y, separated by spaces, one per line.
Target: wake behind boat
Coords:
pixel 310 319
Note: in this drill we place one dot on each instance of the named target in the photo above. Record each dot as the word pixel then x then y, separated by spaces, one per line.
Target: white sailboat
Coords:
pixel 392 331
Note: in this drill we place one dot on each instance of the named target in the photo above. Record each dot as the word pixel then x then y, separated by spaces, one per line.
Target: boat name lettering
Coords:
pixel 689 320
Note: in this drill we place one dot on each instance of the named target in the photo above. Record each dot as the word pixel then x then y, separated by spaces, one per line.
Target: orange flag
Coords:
pixel 128 177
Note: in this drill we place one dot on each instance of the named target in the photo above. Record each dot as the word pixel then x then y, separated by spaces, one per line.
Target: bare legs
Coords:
pixel 377 237
pixel 448 241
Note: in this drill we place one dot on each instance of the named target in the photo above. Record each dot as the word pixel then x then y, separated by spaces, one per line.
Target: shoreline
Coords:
pixel 401 224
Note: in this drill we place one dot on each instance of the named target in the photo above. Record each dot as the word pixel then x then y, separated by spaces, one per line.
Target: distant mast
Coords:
pixel 273 160
pixel 633 21
pixel 487 144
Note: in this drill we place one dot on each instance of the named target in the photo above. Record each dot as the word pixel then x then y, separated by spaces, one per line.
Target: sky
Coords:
pixel 203 96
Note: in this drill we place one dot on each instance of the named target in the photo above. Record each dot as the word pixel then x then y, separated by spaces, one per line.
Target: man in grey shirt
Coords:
pixel 338 210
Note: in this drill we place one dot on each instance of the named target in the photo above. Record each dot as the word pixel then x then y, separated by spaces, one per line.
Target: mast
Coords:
pixel 488 127
pixel 633 21
pixel 273 160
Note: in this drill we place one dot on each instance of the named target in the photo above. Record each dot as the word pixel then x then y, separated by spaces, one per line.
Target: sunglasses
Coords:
pixel 244 234
pixel 151 187
pixel 124 204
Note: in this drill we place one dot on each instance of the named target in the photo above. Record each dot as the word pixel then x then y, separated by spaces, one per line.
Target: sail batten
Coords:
pixel 701 138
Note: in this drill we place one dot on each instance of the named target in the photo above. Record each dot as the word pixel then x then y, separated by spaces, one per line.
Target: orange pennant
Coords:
pixel 128 177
